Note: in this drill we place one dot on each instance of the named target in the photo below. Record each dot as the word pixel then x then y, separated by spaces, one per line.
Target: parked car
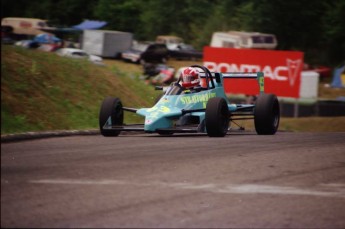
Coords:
pixel 7 41
pixel 27 44
pixel 144 52
pixel 185 51
pixel 78 53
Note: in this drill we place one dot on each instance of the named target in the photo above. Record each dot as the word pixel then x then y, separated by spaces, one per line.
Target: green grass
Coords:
pixel 41 91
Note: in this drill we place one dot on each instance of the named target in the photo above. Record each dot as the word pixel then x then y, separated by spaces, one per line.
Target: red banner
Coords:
pixel 282 69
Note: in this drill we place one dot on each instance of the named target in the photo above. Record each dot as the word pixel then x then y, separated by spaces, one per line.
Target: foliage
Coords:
pixel 120 15
pixel 315 27
pixel 334 26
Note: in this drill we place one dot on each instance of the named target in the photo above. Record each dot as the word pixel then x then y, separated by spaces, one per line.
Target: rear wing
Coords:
pixel 239 75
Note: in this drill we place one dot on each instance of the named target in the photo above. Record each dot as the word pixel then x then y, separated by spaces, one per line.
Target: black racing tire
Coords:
pixel 111 107
pixel 266 114
pixel 217 117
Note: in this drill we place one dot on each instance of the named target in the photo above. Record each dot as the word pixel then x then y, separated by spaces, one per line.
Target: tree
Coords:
pixel 122 15
pixel 62 12
pixel 333 24
pixel 303 25
pixel 315 27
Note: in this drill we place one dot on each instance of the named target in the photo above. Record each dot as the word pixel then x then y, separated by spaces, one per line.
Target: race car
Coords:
pixel 203 110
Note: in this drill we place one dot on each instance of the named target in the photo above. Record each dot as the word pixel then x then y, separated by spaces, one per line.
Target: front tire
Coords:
pixel 266 114
pixel 217 117
pixel 111 107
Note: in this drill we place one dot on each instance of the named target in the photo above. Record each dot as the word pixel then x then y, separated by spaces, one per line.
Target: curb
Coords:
pixel 60 133
pixel 46 134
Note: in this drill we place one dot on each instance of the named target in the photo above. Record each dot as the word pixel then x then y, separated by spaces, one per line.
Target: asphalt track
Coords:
pixel 289 180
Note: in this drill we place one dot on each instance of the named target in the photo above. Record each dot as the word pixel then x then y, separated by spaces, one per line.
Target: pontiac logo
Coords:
pixel 285 72
pixel 293 66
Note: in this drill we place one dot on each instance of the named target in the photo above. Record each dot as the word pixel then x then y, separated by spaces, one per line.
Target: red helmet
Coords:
pixel 190 77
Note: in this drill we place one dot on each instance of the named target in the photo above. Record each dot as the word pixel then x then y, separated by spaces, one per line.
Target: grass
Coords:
pixel 42 91
pixel 303 124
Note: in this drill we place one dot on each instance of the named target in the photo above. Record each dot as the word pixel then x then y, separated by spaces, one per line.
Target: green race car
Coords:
pixel 201 110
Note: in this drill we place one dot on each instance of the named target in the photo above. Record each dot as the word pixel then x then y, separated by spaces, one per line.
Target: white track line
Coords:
pixel 332 190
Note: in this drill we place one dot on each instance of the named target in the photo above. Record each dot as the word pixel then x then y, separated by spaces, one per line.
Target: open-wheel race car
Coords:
pixel 201 110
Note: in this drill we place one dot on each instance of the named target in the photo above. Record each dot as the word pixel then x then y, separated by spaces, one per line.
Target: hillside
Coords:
pixel 43 91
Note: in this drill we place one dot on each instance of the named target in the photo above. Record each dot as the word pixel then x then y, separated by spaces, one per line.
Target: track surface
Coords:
pixel 289 180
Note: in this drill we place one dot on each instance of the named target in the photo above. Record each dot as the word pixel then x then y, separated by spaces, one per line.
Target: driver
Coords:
pixel 190 78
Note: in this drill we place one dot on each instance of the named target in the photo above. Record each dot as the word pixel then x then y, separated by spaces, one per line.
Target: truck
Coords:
pixel 106 43
pixel 247 40
pixel 24 26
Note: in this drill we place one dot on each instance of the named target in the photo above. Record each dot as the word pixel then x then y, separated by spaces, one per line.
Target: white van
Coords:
pixel 249 40
pixel 24 26
pixel 171 41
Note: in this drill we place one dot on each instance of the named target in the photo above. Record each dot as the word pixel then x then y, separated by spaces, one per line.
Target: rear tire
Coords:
pixel 217 117
pixel 266 114
pixel 111 107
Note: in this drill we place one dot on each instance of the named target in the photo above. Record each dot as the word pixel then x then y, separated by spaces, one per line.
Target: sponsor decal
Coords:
pixel 162 109
pixel 293 66
pixel 282 69
pixel 192 99
pixel 155 112
pixel 280 73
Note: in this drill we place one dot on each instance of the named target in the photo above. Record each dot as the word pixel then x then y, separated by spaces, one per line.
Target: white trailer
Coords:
pixel 106 43
pixel 249 40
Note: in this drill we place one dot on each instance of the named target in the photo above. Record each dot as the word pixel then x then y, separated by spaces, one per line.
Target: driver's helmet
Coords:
pixel 190 77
